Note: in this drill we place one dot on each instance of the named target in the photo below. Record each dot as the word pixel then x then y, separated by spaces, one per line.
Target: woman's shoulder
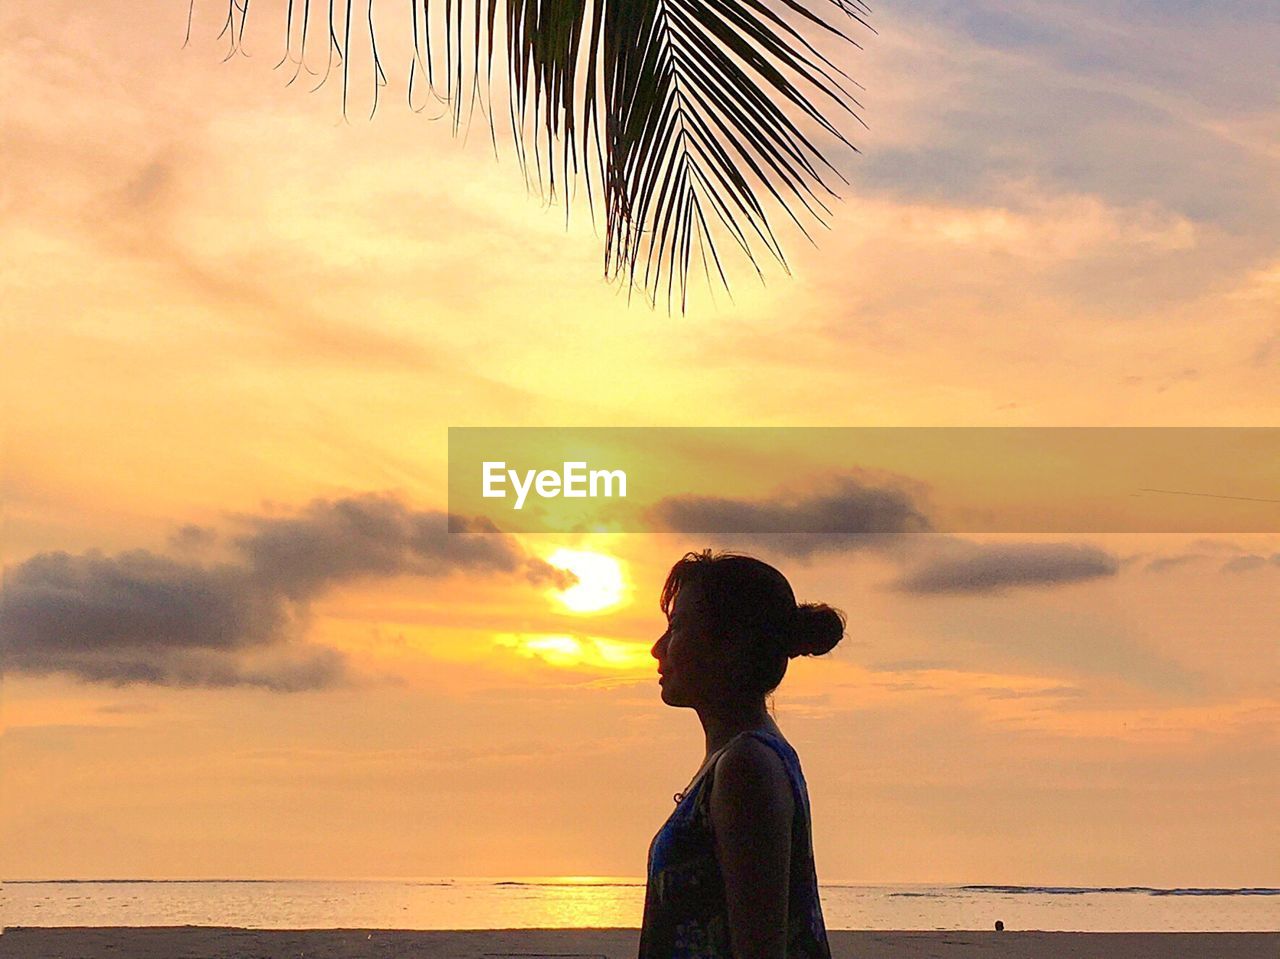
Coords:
pixel 752 761
pixel 762 742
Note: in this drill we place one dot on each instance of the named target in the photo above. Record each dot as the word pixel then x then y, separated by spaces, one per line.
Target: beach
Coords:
pixel 213 942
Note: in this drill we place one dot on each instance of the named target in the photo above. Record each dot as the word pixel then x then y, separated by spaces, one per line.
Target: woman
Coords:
pixel 731 872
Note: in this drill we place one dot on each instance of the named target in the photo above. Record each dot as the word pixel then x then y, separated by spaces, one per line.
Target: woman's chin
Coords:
pixel 671 697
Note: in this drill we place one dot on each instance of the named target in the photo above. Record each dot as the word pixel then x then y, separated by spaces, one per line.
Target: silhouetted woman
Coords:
pixel 731 872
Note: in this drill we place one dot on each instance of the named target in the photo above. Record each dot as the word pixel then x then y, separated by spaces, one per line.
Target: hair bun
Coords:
pixel 818 628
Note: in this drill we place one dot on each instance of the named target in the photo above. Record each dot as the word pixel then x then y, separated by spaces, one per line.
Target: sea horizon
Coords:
pixel 608 880
pixel 563 902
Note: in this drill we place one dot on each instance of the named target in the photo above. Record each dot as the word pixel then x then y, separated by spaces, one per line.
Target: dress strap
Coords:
pixel 706 768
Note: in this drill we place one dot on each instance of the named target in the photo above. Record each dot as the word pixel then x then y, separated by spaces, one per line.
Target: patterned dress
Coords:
pixel 685 916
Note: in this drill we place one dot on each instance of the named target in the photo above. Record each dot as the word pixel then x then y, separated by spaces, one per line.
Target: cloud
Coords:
pixel 143 617
pixel 373 535
pixel 992 567
pixel 192 537
pixel 851 514
pixel 126 708
pixel 1163 381
pixel 142 219
pixel 1216 545
pixel 143 180
pixel 1202 549
pixel 997 692
pixel 139 617
pixel 1131 102
pixel 1267 352
pixel 908 665
pixel 855 514
pixel 1164 563
pixel 1248 563
pixel 1242 562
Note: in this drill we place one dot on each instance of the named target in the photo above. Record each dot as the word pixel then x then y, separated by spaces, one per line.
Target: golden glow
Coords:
pixel 575 651
pixel 337 326
pixel 601 585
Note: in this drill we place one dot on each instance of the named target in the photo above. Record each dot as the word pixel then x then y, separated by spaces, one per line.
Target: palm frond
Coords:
pixel 686 118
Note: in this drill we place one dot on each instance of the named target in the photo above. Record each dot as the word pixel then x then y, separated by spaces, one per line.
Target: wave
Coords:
pixel 407 882
pixel 568 885
pixel 63 882
pixel 939 892
pixel 1139 890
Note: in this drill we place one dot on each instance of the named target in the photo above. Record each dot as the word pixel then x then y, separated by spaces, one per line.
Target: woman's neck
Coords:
pixel 720 723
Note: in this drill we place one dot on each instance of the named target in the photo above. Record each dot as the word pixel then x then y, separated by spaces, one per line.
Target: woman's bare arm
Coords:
pixel 751 816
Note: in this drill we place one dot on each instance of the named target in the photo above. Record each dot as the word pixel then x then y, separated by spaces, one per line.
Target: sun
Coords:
pixel 598 653
pixel 601 584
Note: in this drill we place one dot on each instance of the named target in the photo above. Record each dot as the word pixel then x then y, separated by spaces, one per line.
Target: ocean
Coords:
pixel 533 902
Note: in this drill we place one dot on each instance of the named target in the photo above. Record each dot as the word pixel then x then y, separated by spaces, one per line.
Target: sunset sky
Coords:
pixel 237 331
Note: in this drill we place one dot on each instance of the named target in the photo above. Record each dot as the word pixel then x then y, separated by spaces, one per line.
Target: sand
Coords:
pixel 211 942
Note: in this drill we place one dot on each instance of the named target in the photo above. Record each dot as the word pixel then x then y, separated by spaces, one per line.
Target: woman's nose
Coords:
pixel 654 651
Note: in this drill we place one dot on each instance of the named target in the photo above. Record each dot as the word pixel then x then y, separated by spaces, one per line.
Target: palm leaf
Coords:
pixel 687 118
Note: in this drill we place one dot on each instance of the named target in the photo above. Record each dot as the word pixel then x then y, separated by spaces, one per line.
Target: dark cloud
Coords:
pixel 1204 548
pixel 855 514
pixel 61 602
pixel 852 514
pixel 374 535
pixel 1163 563
pixel 142 617
pixel 192 537
pixel 1244 564
pixel 991 567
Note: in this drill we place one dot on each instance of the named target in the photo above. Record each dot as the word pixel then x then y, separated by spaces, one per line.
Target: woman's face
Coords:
pixel 688 663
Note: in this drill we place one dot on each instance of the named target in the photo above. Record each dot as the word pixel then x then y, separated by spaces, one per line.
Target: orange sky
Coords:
pixel 229 313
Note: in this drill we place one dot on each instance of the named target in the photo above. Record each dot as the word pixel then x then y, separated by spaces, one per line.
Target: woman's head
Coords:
pixel 732 625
